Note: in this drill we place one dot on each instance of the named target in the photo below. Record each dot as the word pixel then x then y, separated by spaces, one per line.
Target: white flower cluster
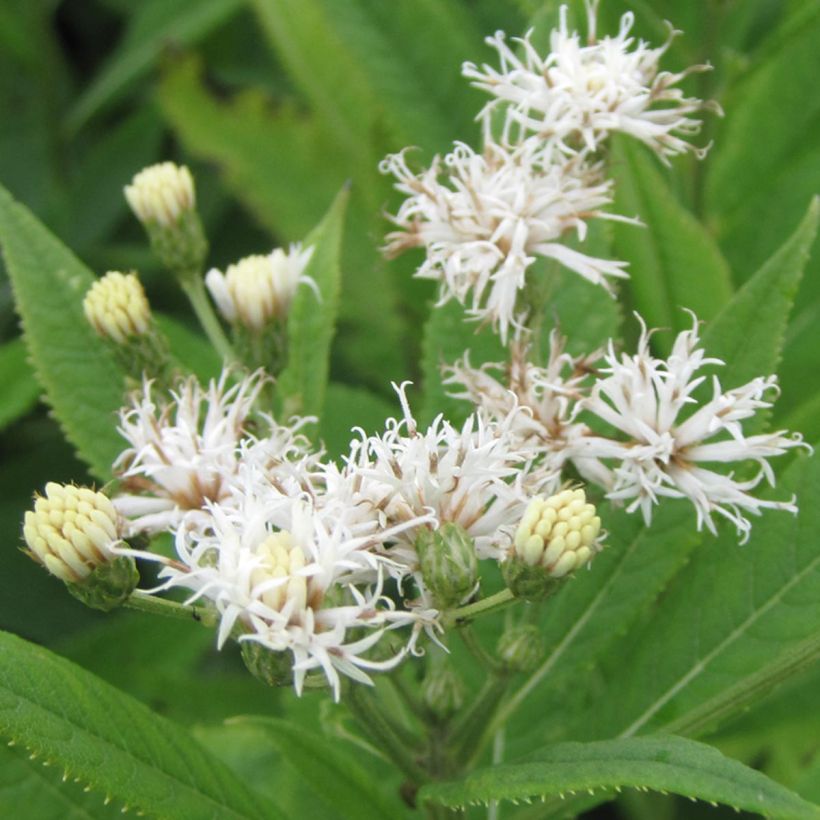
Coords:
pixel 637 426
pixel 291 549
pixel 485 217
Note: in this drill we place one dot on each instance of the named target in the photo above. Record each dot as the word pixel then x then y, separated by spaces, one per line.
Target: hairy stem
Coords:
pixel 194 288
pixel 143 602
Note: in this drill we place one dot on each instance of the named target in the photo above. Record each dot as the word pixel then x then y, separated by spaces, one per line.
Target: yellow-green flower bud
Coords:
pixel 521 648
pixel 556 536
pixel 442 690
pixel 272 668
pixel 71 532
pixel 162 198
pixel 448 562
pixel 117 308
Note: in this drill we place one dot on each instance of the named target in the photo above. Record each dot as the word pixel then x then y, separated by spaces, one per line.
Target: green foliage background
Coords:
pixel 275 105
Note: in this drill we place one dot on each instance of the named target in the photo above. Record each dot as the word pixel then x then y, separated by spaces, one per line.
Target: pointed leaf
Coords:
pixel 312 318
pixel 662 763
pixel 748 333
pixel 673 262
pixel 82 383
pixel 105 739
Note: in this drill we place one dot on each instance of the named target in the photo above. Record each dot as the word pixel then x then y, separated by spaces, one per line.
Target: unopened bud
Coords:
pixel 448 562
pixel 161 194
pixel 162 198
pixel 442 691
pixel 71 532
pixel 521 648
pixel 272 668
pixel 259 289
pixel 556 536
pixel 117 308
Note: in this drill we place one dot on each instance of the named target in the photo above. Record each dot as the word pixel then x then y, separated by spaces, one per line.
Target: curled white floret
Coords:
pixel 483 219
pixel 585 89
pixel 669 437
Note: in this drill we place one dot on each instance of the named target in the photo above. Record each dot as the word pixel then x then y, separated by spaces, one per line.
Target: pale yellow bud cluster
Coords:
pixel 117 308
pixel 161 194
pixel 558 533
pixel 280 559
pixel 70 531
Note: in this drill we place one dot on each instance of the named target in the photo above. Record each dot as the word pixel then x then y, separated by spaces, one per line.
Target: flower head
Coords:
pixel 664 450
pixel 258 289
pixel 72 530
pixel 492 215
pixel 117 308
pixel 161 194
pixel 581 92
pixel 183 450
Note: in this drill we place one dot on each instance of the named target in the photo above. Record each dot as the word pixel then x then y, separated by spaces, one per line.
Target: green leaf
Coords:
pixel 673 262
pixel 662 763
pixel 351 407
pixel 736 621
pixel 20 388
pixel 82 383
pixel 748 333
pixel 28 783
pixel 154 26
pixel 312 319
pixel 344 785
pixel 105 739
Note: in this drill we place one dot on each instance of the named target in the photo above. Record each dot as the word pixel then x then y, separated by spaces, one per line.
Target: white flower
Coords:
pixel 161 194
pixel 548 396
pixel 183 451
pixel 666 450
pixel 279 573
pixel 258 289
pixel 470 476
pixel 493 214
pixel 581 92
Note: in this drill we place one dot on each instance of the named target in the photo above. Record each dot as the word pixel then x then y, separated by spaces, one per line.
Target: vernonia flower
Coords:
pixel 492 215
pixel 582 91
pixel 183 451
pixel 665 452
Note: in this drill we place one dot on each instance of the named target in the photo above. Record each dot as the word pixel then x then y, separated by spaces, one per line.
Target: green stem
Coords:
pixel 468 638
pixel 367 711
pixel 143 602
pixel 472 730
pixel 482 607
pixel 194 288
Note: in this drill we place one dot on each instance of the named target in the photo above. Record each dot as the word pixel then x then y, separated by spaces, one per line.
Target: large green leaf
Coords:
pixel 81 381
pixel 673 262
pixel 351 407
pixel 20 388
pixel 103 738
pixel 155 25
pixel 312 319
pixel 736 621
pixel 748 333
pixel 663 763
pixel 344 785
pixel 25 782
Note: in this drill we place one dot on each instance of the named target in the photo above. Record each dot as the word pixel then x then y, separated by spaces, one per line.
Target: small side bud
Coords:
pixel 272 668
pixel 521 648
pixel 258 290
pixel 117 308
pixel 71 532
pixel 448 562
pixel 162 197
pixel 442 691
pixel 556 536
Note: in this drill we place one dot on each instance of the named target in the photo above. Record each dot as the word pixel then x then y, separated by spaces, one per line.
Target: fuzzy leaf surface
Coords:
pixel 20 388
pixel 109 741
